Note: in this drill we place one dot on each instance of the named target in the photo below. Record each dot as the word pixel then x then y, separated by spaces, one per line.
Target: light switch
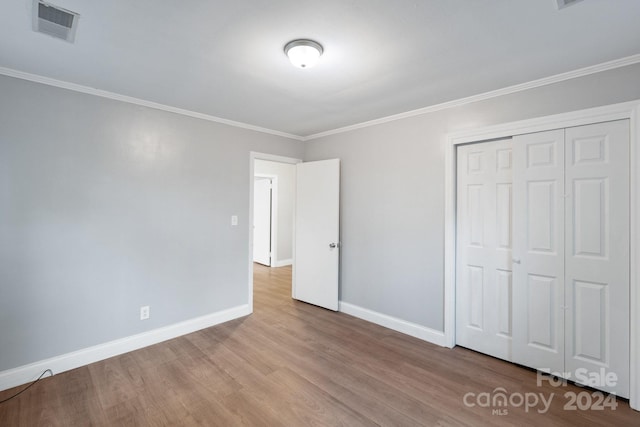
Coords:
pixel 234 220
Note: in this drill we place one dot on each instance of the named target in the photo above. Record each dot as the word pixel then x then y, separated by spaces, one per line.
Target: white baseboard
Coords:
pixel 413 329
pixel 27 373
pixel 282 263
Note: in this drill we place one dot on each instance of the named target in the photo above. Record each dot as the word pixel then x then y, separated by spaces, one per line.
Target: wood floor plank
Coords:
pixel 293 364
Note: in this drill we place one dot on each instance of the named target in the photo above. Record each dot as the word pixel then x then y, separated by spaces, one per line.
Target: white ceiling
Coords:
pixel 225 58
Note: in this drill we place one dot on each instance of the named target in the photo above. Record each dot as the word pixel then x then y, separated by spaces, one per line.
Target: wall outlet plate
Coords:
pixel 144 312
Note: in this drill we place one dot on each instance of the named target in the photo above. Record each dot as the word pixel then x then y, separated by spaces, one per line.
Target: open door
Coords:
pixel 262 221
pixel 317 231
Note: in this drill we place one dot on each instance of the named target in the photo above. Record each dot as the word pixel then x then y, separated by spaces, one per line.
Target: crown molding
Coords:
pixel 593 69
pixel 137 101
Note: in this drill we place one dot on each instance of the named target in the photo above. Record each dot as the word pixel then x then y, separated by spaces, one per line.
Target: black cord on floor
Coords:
pixel 27 387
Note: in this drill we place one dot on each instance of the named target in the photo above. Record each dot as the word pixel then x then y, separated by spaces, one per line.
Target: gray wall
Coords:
pixel 392 191
pixel 107 206
pixel 286 174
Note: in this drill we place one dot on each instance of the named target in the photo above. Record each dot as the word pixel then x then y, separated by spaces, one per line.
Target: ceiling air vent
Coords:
pixel 566 3
pixel 54 21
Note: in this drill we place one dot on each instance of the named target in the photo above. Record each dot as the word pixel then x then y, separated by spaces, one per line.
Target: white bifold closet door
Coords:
pixel 483 270
pixel 538 223
pixel 542 252
pixel 571 253
pixel 597 253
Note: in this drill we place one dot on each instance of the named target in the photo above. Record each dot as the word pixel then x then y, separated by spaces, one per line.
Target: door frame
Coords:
pixel 627 110
pixel 253 156
pixel 273 247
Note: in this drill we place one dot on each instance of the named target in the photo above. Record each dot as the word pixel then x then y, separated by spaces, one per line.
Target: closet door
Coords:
pixel 483 259
pixel 597 254
pixel 538 263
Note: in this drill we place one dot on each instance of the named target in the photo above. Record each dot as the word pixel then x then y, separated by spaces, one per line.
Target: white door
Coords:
pixel 571 254
pixel 538 250
pixel 262 221
pixel 483 259
pixel 597 254
pixel 317 233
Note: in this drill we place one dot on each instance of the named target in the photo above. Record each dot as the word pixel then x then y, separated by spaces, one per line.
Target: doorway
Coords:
pixel 265 218
pixel 314 196
pixel 272 219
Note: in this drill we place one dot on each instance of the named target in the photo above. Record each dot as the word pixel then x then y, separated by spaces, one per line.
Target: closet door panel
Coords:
pixel 597 254
pixel 538 250
pixel 483 246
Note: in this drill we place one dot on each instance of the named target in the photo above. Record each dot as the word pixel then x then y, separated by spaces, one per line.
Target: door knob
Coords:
pixel 515 260
pixel 333 245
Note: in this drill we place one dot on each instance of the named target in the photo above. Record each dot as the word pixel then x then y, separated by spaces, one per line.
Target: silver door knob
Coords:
pixel 333 245
pixel 515 260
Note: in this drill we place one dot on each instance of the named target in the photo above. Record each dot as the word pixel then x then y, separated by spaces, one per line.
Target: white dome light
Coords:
pixel 303 53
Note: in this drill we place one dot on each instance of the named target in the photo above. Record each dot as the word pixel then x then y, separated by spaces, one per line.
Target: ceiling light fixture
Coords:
pixel 303 53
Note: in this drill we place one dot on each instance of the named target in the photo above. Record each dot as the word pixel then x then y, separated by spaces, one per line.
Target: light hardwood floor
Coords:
pixel 294 364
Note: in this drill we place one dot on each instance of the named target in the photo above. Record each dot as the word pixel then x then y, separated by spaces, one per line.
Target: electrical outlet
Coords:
pixel 234 220
pixel 144 312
